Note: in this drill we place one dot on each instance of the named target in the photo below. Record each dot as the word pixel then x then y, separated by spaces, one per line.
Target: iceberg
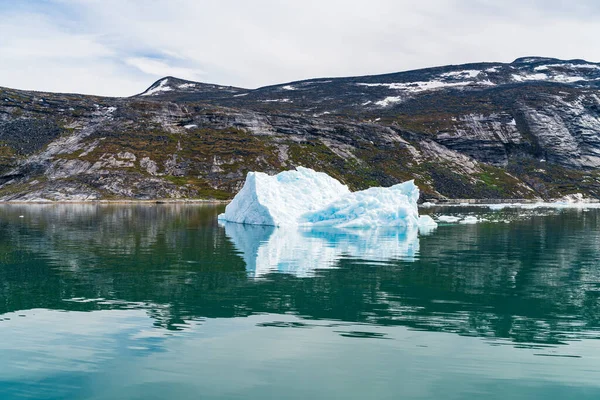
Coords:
pixel 307 198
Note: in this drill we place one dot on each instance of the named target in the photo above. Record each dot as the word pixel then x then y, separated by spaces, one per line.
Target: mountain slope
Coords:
pixel 521 130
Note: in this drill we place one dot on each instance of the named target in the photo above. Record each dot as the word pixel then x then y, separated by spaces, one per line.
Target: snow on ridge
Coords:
pixel 532 59
pixel 186 86
pixel 162 87
pixel 567 79
pixel 468 73
pixel 530 77
pixel 276 101
pixel 421 86
pixel 493 69
pixel 568 65
pixel 415 87
pixel 288 87
pixel 562 78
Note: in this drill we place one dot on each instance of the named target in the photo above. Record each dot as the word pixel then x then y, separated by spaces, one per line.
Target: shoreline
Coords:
pixel 124 201
pixel 475 202
pixel 427 204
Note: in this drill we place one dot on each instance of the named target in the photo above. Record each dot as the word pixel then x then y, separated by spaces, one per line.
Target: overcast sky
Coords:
pixel 120 47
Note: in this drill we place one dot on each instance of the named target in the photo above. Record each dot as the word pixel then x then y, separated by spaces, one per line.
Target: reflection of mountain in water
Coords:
pixel 302 251
pixel 534 280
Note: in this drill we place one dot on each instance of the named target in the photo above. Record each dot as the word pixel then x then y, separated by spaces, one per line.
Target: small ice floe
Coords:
pixel 576 200
pixel 451 219
pixel 465 220
pixel 470 220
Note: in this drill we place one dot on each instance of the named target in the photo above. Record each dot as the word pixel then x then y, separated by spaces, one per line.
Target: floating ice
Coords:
pixel 281 199
pixel 449 218
pixel 377 206
pixel 470 220
pixel 306 197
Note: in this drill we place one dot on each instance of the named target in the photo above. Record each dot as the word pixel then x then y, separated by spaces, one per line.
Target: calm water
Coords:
pixel 160 302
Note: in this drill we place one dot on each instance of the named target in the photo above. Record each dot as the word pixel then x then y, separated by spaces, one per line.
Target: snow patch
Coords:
pixel 416 87
pixel 186 86
pixel 161 87
pixel 288 87
pixel 470 73
pixel 569 65
pixel 562 78
pixel 530 77
pixel 389 101
pixel 276 101
pixel 567 79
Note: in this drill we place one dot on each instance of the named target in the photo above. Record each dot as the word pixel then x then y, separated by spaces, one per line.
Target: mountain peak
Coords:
pixel 171 85
pixel 535 59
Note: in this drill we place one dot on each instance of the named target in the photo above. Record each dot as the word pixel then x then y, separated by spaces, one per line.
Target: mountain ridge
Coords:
pixel 526 129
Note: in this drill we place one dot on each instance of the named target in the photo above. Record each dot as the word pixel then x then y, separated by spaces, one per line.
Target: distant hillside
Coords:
pixel 526 129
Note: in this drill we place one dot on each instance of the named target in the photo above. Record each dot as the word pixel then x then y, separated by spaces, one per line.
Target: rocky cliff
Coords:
pixel 521 130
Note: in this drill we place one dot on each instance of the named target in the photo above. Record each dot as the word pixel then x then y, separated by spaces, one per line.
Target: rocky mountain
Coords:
pixel 528 129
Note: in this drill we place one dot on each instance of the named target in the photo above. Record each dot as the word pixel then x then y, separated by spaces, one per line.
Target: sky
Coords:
pixel 120 47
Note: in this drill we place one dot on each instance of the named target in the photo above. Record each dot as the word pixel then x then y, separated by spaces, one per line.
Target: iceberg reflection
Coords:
pixel 302 251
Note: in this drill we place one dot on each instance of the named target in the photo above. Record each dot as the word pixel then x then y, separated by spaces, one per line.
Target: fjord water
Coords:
pixel 159 301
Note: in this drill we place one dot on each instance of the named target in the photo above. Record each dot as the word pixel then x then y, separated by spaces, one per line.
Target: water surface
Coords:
pixel 159 301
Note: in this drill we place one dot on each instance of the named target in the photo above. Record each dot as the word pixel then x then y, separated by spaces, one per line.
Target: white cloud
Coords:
pixel 160 68
pixel 126 45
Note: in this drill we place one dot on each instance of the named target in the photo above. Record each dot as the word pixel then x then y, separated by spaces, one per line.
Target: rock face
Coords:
pixel 490 130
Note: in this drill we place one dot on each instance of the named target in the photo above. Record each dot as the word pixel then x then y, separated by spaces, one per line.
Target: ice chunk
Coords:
pixel 426 224
pixel 281 199
pixel 306 197
pixel 448 218
pixel 377 206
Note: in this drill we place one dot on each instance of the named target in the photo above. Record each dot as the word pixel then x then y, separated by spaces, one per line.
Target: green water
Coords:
pixel 160 302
